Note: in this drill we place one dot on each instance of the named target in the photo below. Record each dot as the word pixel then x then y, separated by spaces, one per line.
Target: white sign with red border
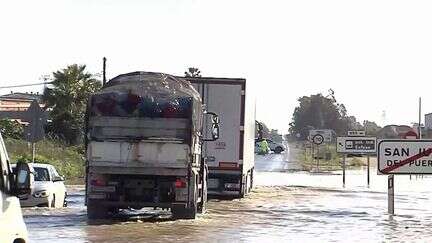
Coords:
pixel 405 156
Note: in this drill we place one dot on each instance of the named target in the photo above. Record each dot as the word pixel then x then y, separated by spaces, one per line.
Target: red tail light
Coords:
pixel 97 182
pixel 179 183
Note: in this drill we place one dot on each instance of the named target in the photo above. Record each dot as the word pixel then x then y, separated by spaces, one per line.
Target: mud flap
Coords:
pixel 180 211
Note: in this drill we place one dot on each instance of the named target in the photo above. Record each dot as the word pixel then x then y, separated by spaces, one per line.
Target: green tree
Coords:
pixel 371 128
pixel 11 129
pixel 193 72
pixel 319 112
pixel 66 100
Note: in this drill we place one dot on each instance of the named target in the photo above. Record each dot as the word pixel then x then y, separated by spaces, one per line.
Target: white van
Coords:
pixel 12 227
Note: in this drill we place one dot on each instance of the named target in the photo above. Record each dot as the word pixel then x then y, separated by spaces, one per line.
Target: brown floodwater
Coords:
pixel 290 205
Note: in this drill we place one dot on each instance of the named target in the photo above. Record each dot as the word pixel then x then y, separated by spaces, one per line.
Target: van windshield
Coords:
pixel 41 174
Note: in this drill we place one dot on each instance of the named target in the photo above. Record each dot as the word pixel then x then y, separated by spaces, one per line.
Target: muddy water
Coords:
pixel 283 206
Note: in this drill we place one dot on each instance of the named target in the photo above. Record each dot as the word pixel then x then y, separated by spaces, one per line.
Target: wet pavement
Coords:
pixel 286 204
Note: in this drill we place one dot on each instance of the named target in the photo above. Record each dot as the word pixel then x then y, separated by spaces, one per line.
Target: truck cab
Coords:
pixel 12 226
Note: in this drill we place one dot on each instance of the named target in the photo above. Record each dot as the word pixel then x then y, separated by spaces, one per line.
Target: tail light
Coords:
pixel 97 182
pixel 180 183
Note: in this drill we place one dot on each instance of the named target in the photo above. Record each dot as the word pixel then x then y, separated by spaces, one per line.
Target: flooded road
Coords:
pixel 286 204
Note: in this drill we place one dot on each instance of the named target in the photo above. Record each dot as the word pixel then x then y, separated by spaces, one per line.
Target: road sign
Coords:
pixel 405 156
pixel 327 134
pixel 318 139
pixel 356 145
pixel 356 133
pixel 37 119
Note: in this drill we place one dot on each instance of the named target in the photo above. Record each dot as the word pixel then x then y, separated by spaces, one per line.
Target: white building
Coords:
pixel 428 121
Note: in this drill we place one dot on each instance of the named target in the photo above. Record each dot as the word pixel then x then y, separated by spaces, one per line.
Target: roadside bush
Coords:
pixel 11 129
pixel 67 160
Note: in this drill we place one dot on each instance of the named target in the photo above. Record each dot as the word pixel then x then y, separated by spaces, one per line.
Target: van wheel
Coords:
pixel 53 202
pixel 278 150
pixel 64 200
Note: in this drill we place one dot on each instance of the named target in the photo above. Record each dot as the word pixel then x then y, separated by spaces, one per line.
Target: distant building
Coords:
pixel 19 101
pixel 394 131
pixel 428 121
pixel 14 105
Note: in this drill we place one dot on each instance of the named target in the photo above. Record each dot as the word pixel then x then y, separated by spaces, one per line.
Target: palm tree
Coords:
pixel 193 72
pixel 66 99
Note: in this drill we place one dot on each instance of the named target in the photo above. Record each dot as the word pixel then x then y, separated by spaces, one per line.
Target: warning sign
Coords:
pixel 405 157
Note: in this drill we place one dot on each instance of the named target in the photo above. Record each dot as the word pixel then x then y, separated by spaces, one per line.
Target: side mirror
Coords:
pixel 24 179
pixel 58 178
pixel 214 127
pixel 215 132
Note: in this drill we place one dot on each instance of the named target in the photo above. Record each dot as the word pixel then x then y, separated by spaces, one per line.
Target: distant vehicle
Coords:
pixel 275 147
pixel 12 226
pixel 49 189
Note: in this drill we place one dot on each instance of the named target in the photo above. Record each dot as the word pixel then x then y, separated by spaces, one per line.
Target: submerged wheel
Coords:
pixel 278 150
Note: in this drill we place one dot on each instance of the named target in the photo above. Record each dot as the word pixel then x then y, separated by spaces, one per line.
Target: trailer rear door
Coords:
pixel 226 101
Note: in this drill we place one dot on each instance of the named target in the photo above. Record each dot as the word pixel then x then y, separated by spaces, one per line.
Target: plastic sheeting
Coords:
pixel 145 94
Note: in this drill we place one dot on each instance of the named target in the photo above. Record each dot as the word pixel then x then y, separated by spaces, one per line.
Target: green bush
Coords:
pixel 11 129
pixel 68 160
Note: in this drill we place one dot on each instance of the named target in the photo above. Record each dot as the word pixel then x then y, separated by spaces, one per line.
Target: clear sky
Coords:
pixel 376 55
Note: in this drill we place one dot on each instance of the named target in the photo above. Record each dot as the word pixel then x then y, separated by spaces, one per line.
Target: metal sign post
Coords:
pixel 35 130
pixel 391 194
pixel 403 157
pixel 343 169
pixel 356 145
pixel 368 170
pixel 318 139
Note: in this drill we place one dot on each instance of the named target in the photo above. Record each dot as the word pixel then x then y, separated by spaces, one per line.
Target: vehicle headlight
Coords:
pixel 43 193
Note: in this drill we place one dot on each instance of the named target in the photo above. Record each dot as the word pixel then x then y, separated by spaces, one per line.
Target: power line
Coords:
pixel 23 85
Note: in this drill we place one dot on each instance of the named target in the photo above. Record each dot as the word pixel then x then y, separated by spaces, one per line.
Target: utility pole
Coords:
pixel 104 71
pixel 419 123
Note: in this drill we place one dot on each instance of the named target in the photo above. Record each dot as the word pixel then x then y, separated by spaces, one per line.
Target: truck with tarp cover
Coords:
pixel 143 144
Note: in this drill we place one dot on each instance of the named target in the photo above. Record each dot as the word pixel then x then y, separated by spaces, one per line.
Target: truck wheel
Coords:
pixel 184 213
pixel 96 211
pixel 278 150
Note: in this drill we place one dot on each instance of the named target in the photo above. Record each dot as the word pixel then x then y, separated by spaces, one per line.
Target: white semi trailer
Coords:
pixel 230 159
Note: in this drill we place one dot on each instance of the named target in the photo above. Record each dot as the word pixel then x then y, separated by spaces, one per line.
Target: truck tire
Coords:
pixel 184 213
pixel 278 150
pixel 96 211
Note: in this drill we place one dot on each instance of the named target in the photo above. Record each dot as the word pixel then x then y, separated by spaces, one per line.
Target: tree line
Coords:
pixel 325 112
